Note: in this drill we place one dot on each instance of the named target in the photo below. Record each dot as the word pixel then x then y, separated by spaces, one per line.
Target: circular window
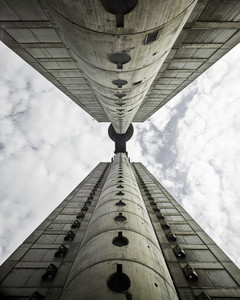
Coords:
pixel 119 282
pixel 120 240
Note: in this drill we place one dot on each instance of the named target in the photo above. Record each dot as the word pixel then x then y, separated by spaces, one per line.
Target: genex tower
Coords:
pixel 120 234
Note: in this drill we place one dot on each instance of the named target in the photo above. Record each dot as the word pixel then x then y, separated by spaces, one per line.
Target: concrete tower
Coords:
pixel 120 234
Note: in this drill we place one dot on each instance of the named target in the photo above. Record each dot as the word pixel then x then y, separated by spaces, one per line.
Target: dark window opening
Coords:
pixel 137 82
pixel 151 37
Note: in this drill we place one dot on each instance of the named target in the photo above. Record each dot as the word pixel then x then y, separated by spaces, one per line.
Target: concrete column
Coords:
pixel 120 63
pixel 119 257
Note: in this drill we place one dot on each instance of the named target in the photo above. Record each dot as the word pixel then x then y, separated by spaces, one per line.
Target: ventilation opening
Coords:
pixel 36 296
pixel 62 251
pixel 70 236
pixel 137 82
pixel 87 203
pixel 120 218
pixel 203 296
pixel 119 82
pixel 121 103
pixel 120 193
pixel 190 273
pixel 151 37
pixel 179 252
pixel 171 236
pixel 119 59
pixel 120 203
pixel 84 208
pixel 165 225
pixel 119 8
pixel 120 240
pixel 50 273
pixel 120 95
pixel 119 282
pixel 160 216
pixel 76 224
pixel 120 186
pixel 80 215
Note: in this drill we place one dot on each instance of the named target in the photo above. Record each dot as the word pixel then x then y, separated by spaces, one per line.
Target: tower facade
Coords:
pixel 120 72
pixel 119 235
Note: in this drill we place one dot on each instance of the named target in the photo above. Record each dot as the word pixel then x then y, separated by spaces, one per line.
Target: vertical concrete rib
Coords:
pixel 119 257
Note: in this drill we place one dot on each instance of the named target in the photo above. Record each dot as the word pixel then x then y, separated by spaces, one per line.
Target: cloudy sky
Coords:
pixel 48 145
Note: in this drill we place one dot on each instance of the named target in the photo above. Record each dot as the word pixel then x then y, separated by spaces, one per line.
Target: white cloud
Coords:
pixel 209 153
pixel 40 127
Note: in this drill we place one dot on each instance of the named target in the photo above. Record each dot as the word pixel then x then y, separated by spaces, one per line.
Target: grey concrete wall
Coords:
pixel 218 277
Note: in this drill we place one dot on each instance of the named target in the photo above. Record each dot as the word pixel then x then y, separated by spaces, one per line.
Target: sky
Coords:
pixel 48 144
